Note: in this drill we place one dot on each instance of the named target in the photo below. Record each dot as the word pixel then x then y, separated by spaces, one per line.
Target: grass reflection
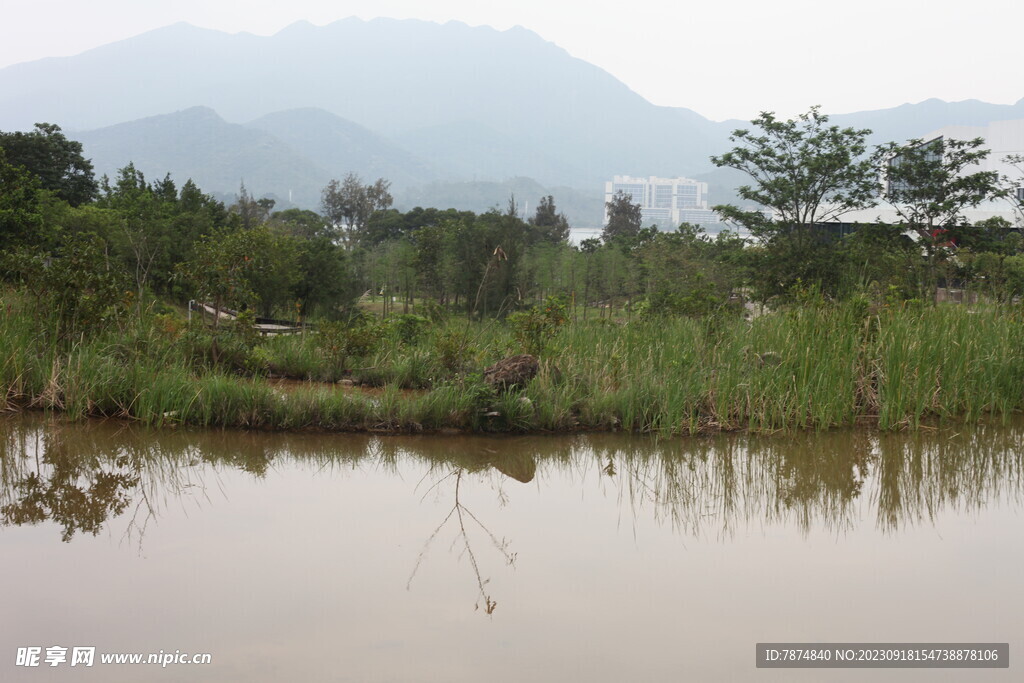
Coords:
pixel 82 475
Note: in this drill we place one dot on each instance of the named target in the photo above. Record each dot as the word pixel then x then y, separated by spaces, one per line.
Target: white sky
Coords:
pixel 721 58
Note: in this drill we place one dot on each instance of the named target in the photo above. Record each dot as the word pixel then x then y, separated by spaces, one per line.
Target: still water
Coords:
pixel 312 557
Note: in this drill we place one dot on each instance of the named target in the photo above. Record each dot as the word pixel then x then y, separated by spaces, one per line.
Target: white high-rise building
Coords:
pixel 665 202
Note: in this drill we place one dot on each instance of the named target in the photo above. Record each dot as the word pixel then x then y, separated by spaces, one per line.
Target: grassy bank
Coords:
pixel 813 367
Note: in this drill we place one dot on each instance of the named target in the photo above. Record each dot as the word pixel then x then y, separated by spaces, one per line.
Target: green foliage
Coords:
pixel 927 184
pixel 244 268
pixel 339 341
pixel 348 205
pixel 623 217
pixel 249 211
pixel 21 218
pixel 554 226
pixel 217 271
pixel 453 350
pixel 803 170
pixel 409 329
pixel 534 328
pixel 301 223
pixel 229 347
pixel 77 291
pixel 806 172
pixel 56 161
pixel 325 284
pixel 151 227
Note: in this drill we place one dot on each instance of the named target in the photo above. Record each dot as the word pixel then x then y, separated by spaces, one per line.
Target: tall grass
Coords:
pixel 814 367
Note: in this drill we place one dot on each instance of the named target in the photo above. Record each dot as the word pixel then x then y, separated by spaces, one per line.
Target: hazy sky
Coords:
pixel 721 58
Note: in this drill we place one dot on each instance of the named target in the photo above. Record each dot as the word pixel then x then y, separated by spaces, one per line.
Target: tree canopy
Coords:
pixel 928 185
pixel 624 217
pixel 803 170
pixel 56 161
pixel 349 204
pixel 554 225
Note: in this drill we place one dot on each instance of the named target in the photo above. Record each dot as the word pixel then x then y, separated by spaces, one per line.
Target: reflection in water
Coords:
pixel 458 515
pixel 79 476
pixel 78 493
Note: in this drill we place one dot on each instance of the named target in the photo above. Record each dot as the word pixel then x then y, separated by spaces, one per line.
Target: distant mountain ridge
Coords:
pixel 219 156
pixel 462 112
pixel 341 146
pixel 392 77
pixel 288 166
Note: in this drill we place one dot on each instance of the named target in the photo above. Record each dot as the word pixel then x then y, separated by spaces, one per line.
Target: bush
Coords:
pixel 409 329
pixel 535 327
pixel 338 341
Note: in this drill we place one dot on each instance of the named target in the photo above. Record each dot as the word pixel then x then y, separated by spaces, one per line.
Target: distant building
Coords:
pixel 665 202
pixel 1002 138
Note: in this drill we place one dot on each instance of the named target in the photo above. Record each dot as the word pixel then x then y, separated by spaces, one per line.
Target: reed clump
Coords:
pixel 816 366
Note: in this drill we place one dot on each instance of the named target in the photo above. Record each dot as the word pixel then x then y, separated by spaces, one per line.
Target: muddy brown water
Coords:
pixel 315 557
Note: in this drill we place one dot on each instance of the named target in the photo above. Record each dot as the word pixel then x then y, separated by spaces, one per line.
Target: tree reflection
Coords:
pixel 458 516
pixel 81 476
pixel 76 493
pixel 74 504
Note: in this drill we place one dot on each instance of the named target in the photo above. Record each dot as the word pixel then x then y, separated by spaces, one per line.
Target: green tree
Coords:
pixel 805 172
pixel 929 186
pixel 77 290
pixel 301 223
pixel 349 204
pixel 143 233
pixel 58 162
pixel 325 285
pixel 218 271
pixel 251 212
pixel 1013 187
pixel 21 218
pixel 624 217
pixel 554 226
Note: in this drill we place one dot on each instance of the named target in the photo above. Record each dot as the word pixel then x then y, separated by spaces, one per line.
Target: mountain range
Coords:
pixel 451 114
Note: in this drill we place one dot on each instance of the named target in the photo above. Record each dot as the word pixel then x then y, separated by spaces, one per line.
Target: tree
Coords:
pixel 76 290
pixel 325 285
pixel 58 162
pixel 1013 188
pixel 805 172
pixel 251 211
pixel 349 204
pixel 21 220
pixel 554 226
pixel 143 232
pixel 928 185
pixel 624 217
pixel 219 268
pixel 301 223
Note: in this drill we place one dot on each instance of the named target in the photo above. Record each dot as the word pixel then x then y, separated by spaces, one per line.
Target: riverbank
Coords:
pixel 813 367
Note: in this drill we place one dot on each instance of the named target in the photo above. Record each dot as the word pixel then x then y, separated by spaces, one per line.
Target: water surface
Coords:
pixel 314 557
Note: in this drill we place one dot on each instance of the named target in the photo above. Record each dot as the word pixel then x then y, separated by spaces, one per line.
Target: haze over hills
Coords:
pixel 449 113
pixel 197 143
pixel 393 77
pixel 342 147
